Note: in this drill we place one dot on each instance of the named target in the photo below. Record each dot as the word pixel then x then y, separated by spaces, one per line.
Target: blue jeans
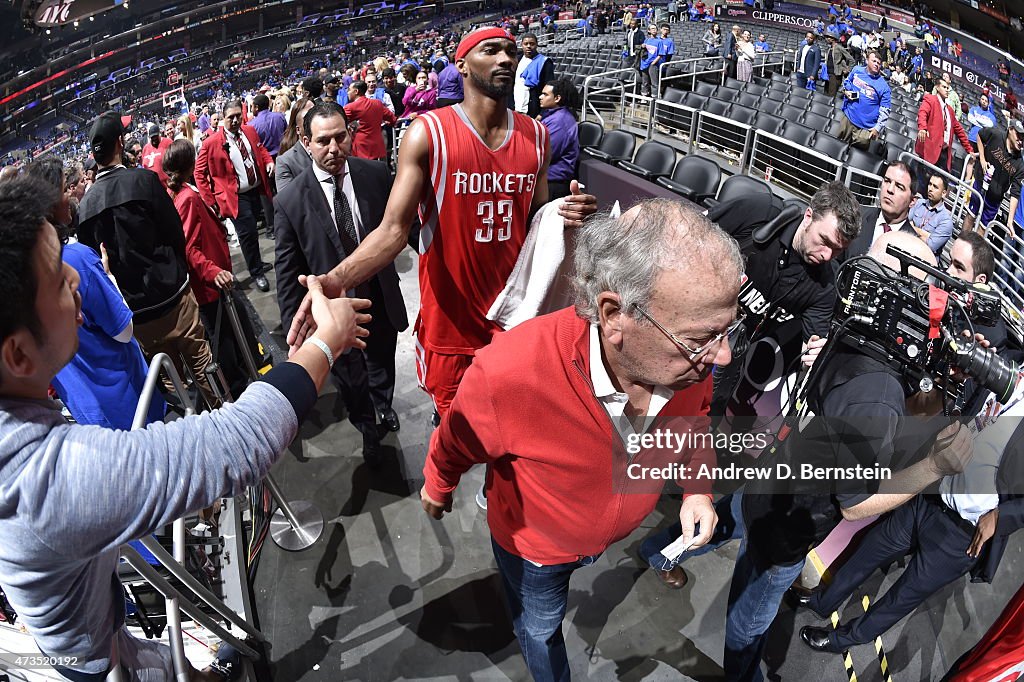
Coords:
pixel 754 598
pixel 730 527
pixel 537 597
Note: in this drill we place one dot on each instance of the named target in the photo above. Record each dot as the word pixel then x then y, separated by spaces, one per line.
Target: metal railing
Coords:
pixel 1008 248
pixel 173 598
pixel 591 89
pixel 799 169
pixel 724 137
pixel 865 185
pixel 675 121
pixel 961 190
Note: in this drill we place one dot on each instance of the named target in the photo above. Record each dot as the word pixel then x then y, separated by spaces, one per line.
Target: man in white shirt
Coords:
pixel 895 199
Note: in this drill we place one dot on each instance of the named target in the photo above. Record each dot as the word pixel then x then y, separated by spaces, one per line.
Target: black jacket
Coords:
pixel 130 213
pixel 308 241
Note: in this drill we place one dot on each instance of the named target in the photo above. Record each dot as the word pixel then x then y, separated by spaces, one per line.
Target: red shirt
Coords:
pixel 368 142
pixel 559 484
pixel 206 244
pixel 153 158
pixel 474 216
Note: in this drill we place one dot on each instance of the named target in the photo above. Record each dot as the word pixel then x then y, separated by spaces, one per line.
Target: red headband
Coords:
pixel 477 37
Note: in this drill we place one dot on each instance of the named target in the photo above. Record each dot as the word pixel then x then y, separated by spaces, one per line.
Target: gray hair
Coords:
pixel 626 255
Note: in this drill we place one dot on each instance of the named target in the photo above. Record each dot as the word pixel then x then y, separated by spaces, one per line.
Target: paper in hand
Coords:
pixel 676 549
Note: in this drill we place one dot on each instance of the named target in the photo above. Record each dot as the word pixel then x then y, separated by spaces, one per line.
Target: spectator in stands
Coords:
pixel 294 157
pixel 533 71
pixel 1001 168
pixel 1010 102
pixel 982 115
pixel 132 152
pixel 214 125
pixel 419 97
pixel 929 216
pixel 649 61
pixel 204 119
pixel 762 44
pixel 102 383
pixel 269 125
pixel 668 46
pixel 559 103
pixel 916 73
pixel 838 63
pixel 60 561
pixel 808 61
pixel 312 88
pixel 745 55
pixel 128 213
pixel 449 83
pixel 332 84
pixel 232 172
pixel 867 99
pixel 394 90
pixel 633 46
pixel 729 55
pixel 153 152
pixel 1003 67
pixel 376 92
pixel 936 126
pixel 209 265
pixel 370 114
pixel 187 132
pixel 712 40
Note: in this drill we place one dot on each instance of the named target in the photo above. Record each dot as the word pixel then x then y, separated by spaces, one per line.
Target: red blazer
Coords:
pixel 206 245
pixel 929 117
pixel 371 113
pixel 215 174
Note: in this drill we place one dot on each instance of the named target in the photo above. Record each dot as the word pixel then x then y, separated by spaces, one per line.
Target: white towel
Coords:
pixel 539 282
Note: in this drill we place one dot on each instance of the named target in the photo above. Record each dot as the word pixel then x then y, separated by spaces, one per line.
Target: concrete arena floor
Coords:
pixel 389 594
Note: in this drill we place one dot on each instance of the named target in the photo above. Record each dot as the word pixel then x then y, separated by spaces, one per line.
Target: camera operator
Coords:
pixel 787 270
pixel 65 511
pixel 863 402
pixel 971 259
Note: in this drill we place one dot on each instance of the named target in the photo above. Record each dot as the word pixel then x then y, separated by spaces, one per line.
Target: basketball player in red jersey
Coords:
pixel 476 171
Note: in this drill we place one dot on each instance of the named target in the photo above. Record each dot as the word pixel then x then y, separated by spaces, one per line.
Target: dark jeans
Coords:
pixel 537 597
pixel 754 597
pixel 730 527
pixel 249 204
pixel 939 545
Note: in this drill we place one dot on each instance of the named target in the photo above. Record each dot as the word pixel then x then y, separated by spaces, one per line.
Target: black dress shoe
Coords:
pixel 817 639
pixel 266 267
pixel 389 420
pixel 262 284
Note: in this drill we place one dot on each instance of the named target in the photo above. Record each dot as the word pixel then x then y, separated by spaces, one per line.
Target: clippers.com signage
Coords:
pixel 764 16
pixel 940 64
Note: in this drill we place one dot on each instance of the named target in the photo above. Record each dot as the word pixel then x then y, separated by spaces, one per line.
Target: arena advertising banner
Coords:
pixel 761 16
pixel 941 64
pixel 59 12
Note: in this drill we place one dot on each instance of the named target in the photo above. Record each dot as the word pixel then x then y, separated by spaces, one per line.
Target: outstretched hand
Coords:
pixel 338 320
pixel 303 324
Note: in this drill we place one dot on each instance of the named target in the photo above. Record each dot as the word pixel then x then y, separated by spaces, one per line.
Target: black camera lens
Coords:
pixel 990 371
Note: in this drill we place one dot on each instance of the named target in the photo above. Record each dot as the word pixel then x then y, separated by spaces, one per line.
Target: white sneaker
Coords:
pixel 481 499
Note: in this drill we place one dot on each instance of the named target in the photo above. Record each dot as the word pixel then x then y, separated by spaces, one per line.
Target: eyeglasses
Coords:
pixel 694 353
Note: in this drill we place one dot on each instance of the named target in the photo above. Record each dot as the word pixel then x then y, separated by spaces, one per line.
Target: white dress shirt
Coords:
pixel 521 93
pixel 324 180
pixel 239 163
pixel 880 227
pixel 614 401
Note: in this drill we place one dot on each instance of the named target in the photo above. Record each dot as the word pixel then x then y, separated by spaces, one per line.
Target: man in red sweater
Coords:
pixel 370 114
pixel 562 409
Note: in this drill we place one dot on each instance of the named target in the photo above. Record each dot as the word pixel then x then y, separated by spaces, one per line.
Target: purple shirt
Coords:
pixel 416 102
pixel 449 83
pixel 270 126
pixel 565 143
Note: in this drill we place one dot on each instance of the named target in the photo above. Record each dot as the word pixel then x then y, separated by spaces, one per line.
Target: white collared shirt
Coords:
pixel 880 229
pixel 324 180
pixel 239 163
pixel 614 401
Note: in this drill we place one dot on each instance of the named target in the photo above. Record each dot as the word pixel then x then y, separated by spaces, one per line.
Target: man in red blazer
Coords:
pixel 232 172
pixel 370 113
pixel 936 125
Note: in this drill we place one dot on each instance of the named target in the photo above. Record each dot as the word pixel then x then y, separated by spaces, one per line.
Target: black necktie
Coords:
pixel 343 219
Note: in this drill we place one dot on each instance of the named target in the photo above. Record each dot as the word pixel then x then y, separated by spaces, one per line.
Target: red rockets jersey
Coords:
pixel 474 216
